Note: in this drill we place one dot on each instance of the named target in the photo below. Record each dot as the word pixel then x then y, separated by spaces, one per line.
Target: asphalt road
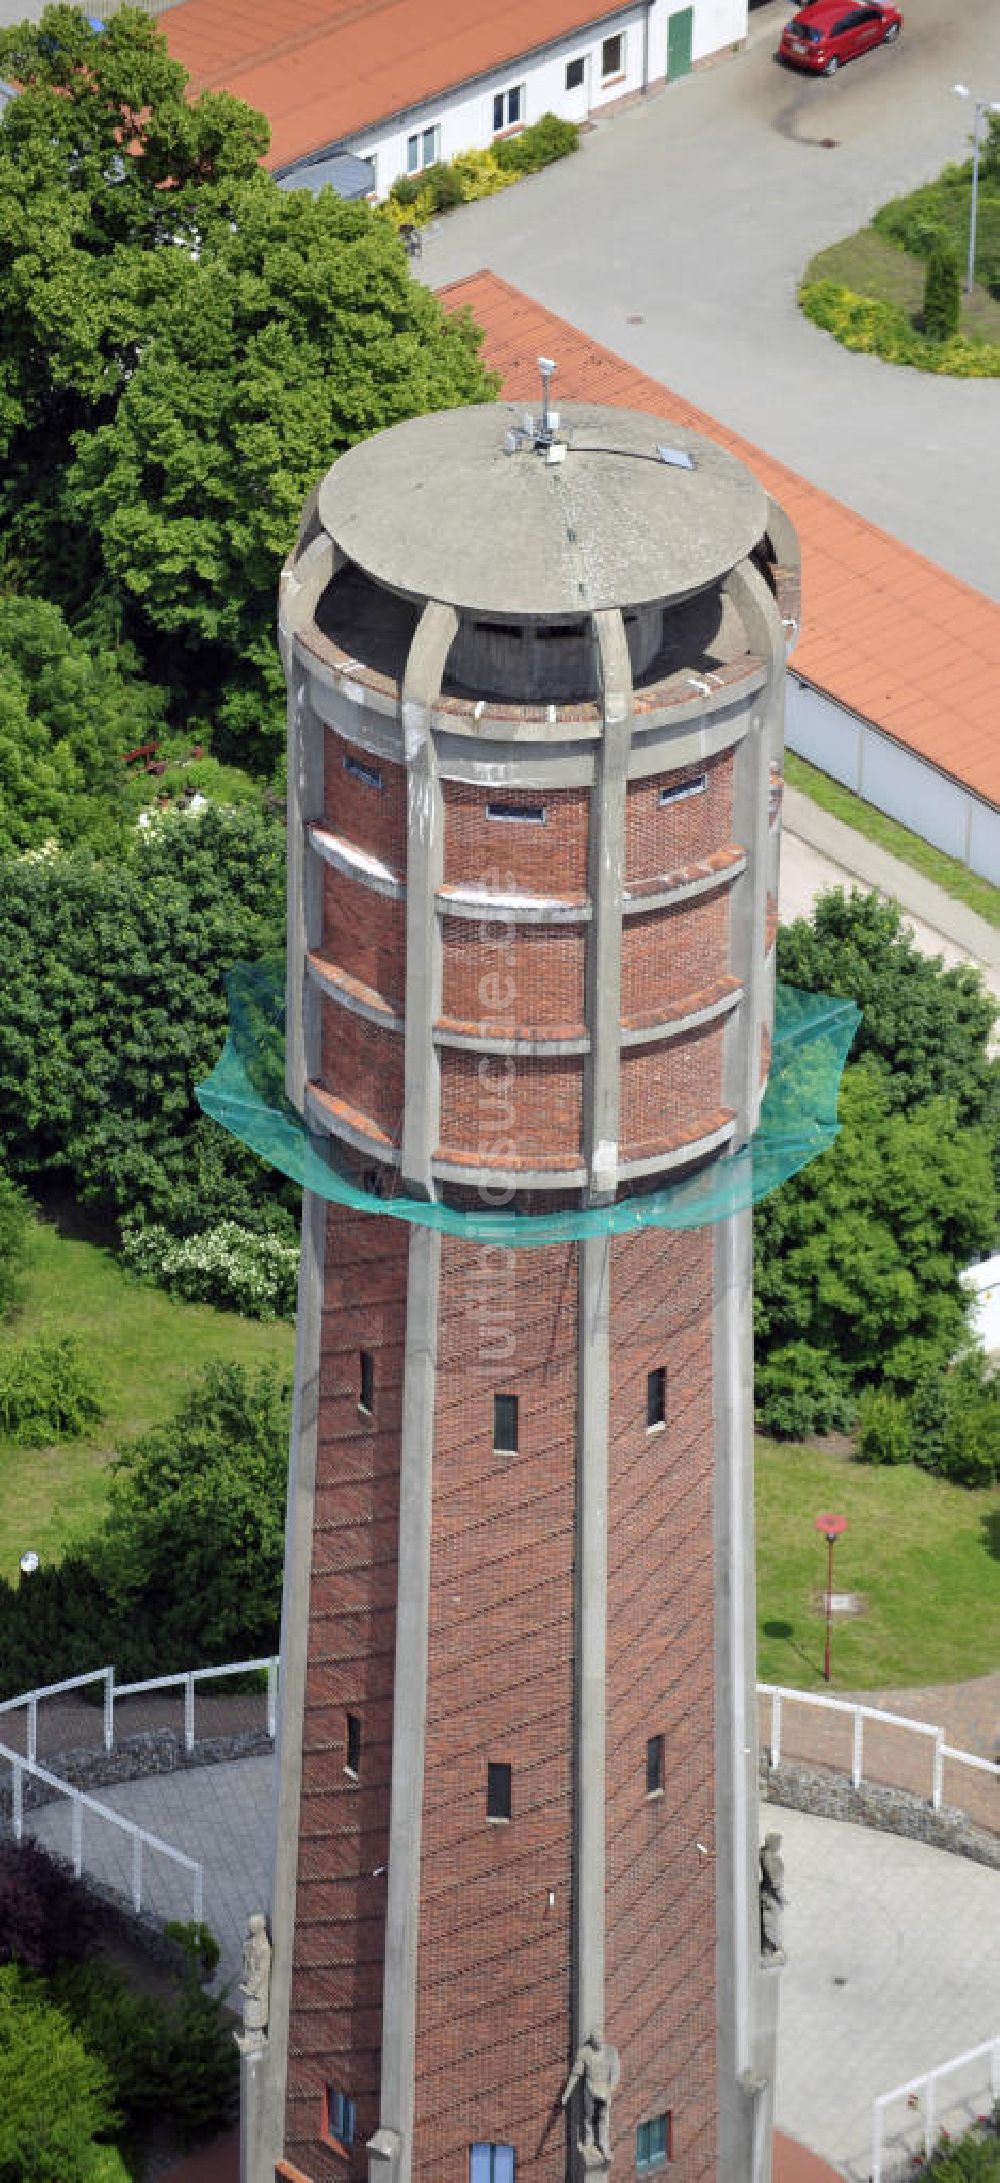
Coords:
pixel 678 235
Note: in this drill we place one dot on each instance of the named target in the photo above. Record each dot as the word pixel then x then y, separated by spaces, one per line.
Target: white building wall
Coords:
pixel 464 116
pixel 895 780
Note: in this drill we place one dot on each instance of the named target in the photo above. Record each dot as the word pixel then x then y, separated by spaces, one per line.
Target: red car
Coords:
pixel 820 37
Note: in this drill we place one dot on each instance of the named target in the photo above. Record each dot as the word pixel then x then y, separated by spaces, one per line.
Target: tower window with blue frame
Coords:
pixel 653 2146
pixel 341 2117
pixel 491 2164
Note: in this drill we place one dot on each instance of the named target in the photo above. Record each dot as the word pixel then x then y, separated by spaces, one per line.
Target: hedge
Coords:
pixel 883 329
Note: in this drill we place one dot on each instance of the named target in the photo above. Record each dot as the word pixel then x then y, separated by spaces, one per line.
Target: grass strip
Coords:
pixel 948 873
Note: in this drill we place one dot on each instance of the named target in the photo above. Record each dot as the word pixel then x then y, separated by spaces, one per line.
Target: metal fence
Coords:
pixel 109 1849
pixel 923 1771
pixel 72 1726
pixel 974 2076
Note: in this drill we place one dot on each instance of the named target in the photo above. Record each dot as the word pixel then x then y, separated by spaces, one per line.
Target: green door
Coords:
pixel 679 30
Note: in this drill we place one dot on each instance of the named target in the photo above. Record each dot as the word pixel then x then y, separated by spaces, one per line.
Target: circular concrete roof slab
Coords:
pixel 437 509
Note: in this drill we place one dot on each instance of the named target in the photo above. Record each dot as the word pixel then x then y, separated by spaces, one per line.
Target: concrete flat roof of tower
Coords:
pixel 885 632
pixel 458 506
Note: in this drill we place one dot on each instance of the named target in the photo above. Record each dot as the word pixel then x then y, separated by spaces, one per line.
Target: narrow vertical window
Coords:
pixel 340 2118
pixel 497 1791
pixel 654 2143
pixel 366 1377
pixel 491 2164
pixel 353 1745
pixel 654 1766
pixel 656 1398
pixel 505 1424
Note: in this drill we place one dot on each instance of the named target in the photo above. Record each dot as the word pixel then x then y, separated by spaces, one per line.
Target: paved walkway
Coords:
pixel 893 1960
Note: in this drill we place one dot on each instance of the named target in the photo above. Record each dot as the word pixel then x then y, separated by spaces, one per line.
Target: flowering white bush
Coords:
pixel 227 1265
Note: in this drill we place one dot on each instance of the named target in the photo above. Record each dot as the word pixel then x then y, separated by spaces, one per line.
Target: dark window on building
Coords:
pixel 353 1744
pixel 613 56
pixel 491 2164
pixel 508 108
pixel 497 1791
pixel 530 814
pixel 675 792
pixel 654 1765
pixel 366 1394
pixel 505 1424
pixel 341 2117
pixel 368 775
pixel 653 2143
pixel 656 1398
pixel 575 74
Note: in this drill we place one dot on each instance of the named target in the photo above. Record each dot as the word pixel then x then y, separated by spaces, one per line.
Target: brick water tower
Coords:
pixel 535 671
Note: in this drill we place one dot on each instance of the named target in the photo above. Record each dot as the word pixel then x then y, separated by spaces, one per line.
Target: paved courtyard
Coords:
pixel 893 1950
pixel 679 233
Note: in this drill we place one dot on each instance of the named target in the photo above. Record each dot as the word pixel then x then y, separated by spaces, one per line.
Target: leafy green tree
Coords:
pixel 15 1227
pixel 191 1553
pixel 858 1257
pixel 68 714
pixel 185 348
pixel 113 1008
pixel 929 1028
pixel 942 294
pixel 55 2096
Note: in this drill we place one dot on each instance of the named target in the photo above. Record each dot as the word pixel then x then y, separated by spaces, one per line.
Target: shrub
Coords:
pixel 48 1391
pixel 956 1422
pixel 55 2095
pixel 537 146
pixel 884 1427
pixel 406 189
pixel 197 1944
pixel 882 329
pixel 799 1391
pixel 443 186
pixel 480 174
pixel 941 294
pixel 46 1917
pixel 15 1226
pixel 227 1265
pixel 174 2058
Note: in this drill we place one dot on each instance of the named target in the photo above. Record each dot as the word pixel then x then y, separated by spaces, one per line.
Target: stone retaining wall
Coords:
pixel 155 1751
pixel 894 1811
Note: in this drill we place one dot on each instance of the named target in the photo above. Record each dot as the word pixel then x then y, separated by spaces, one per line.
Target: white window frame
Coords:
pixel 518 91
pixel 613 75
pixel 417 156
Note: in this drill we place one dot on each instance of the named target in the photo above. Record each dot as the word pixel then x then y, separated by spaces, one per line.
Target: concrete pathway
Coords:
pixel 819 851
pixel 893 1961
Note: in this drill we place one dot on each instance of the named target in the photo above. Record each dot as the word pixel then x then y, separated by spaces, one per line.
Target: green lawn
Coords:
pixel 870 266
pixel 946 872
pixel 146 1349
pixel 923 1555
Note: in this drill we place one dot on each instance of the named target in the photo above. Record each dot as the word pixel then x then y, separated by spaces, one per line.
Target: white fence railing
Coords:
pixel 780 1697
pixel 140 1838
pixel 30 1700
pixel 923 2092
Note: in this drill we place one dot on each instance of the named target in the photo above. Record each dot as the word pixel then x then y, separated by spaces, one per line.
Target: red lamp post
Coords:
pixel 831 1527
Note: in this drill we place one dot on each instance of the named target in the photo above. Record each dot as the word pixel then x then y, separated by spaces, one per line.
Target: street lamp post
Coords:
pixel 980 106
pixel 832 1527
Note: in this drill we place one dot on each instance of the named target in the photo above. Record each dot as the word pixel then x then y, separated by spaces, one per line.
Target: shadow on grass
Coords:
pixel 991 1532
pixel 784 1633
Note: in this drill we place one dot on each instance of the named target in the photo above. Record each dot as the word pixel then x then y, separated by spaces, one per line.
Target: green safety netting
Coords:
pixel 798 1120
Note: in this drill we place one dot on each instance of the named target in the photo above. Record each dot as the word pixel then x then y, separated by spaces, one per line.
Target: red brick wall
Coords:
pixel 662 838
pixel 365 934
pixel 670 1090
pixel 335 2021
pixel 660 1941
pixel 549 859
pixel 670 955
pixel 364 1065
pixel 494 1992
pixel 371 818
pixel 525 1106
pixel 520 978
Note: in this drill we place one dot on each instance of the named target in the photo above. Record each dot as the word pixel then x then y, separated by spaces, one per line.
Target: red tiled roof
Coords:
pixel 884 631
pixel 323 69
